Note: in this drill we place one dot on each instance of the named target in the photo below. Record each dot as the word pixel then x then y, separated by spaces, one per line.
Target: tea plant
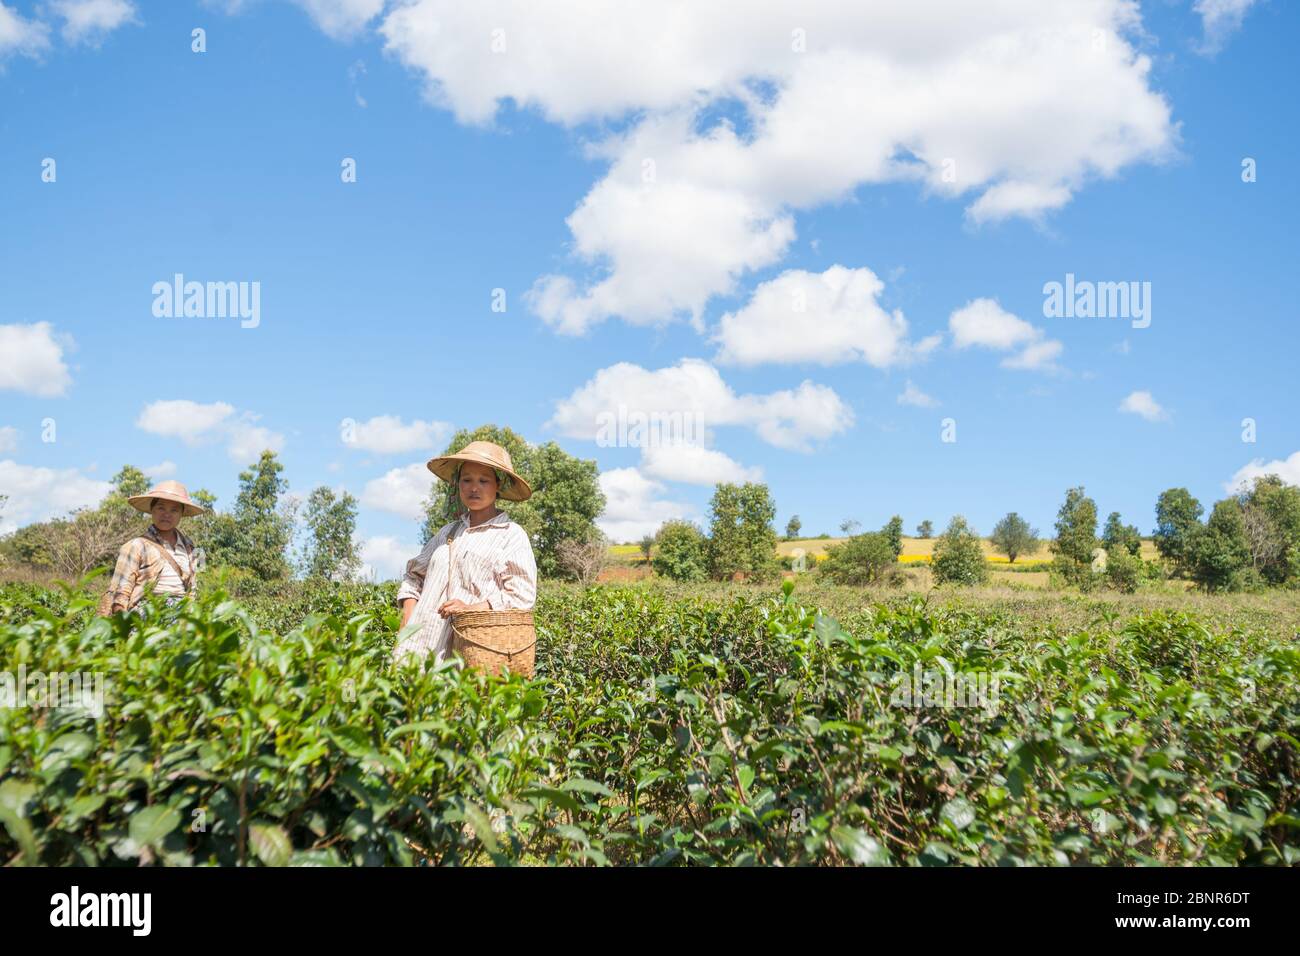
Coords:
pixel 724 727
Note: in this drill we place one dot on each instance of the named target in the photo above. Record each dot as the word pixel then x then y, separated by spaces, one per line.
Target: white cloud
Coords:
pixel 164 469
pixel 633 507
pixel 1288 469
pixel 195 423
pixel 388 435
pixel 20 35
pixel 8 438
pixel 402 491
pixel 914 396
pixel 694 464
pixel 246 441
pixel 790 419
pixel 670 245
pixel 384 557
pixel 341 19
pixel 1031 200
pixel 984 323
pixel 1143 404
pixel 1220 19
pixel 357 69
pixel 189 421
pixel 827 317
pixel 31 360
pixel 1013 107
pixel 37 494
pixel 1036 357
pixel 89 21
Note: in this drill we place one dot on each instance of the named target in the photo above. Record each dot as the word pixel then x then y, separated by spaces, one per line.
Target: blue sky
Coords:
pixel 671 286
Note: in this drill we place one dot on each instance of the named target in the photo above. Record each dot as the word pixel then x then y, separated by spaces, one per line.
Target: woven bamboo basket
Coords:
pixel 495 640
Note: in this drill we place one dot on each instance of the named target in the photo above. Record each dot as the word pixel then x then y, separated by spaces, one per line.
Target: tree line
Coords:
pixel 1249 540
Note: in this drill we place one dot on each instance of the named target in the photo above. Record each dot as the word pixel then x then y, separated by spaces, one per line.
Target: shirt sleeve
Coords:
pixel 125 572
pixel 413 580
pixel 516 575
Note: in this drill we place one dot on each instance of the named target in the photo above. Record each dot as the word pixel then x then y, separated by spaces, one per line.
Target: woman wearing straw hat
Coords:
pixel 482 561
pixel 162 556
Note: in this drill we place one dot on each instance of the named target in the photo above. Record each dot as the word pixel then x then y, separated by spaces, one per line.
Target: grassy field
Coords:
pixel 920 549
pixel 915 549
pixel 1275 612
pixel 627 563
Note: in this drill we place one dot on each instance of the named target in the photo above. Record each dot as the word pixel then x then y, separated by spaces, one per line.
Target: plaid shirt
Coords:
pixel 139 565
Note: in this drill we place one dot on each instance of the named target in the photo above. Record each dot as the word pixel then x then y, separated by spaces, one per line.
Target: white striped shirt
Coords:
pixel 492 562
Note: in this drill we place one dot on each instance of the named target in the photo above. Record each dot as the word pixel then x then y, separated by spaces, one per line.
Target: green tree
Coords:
pixel 893 531
pixel 30 546
pixel 117 511
pixel 256 535
pixel 681 552
pixel 741 536
pixel 958 557
pixel 646 545
pixel 564 506
pixel 1178 517
pixel 862 559
pixel 1123 569
pixel 1076 537
pixel 130 481
pixel 925 529
pixel 1271 515
pixel 792 528
pixel 1117 535
pixel 331 521
pixel 1013 537
pixel 200 527
pixel 1218 554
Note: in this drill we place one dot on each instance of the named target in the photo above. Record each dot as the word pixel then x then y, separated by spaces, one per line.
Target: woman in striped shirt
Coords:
pixel 482 561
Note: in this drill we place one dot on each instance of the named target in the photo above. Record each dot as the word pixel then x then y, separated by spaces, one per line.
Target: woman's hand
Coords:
pixel 448 608
pixel 408 608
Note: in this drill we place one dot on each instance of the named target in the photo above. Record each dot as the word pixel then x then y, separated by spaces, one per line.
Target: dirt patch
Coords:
pixel 623 573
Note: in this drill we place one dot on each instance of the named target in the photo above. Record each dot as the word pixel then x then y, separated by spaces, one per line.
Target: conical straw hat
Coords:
pixel 485 453
pixel 168 491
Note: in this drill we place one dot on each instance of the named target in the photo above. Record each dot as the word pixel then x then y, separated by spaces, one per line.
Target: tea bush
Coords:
pixel 661 728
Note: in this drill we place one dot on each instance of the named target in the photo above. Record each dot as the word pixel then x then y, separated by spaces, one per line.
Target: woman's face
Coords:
pixel 166 514
pixel 478 486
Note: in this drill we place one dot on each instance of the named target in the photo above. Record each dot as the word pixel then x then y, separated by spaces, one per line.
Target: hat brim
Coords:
pixel 143 503
pixel 445 466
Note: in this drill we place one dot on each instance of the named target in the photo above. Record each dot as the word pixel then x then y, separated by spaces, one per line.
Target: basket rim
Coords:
pixel 505 615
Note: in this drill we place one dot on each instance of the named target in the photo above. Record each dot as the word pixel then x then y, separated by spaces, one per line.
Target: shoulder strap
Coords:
pixel 187 580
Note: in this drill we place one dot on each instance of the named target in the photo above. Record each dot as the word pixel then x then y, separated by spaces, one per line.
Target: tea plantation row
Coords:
pixel 661 729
